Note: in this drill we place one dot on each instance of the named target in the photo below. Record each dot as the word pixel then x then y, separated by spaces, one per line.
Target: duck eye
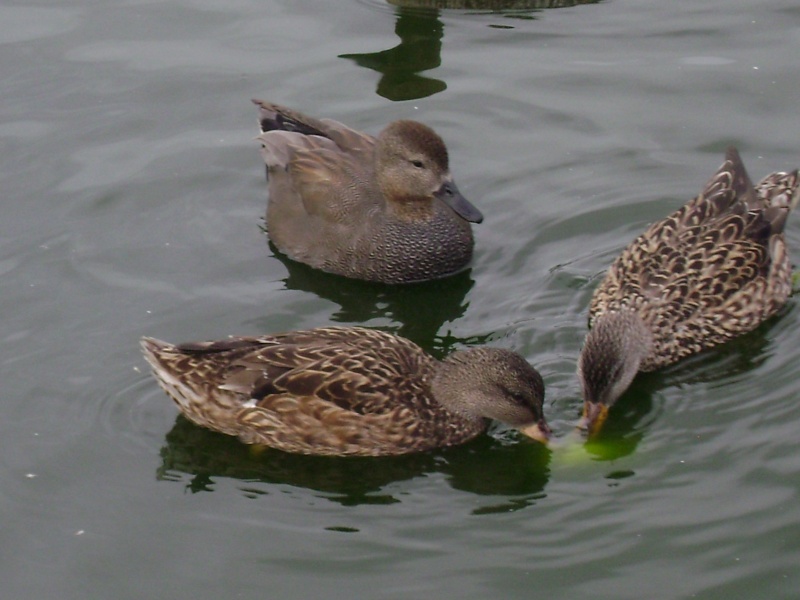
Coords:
pixel 520 399
pixel 417 163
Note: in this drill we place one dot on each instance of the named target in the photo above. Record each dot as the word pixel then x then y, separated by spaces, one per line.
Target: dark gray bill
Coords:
pixel 450 195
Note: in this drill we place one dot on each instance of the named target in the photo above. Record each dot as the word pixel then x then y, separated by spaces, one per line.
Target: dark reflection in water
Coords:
pixel 420 47
pixel 206 455
pixel 515 474
pixel 420 309
pixel 489 5
pixel 421 31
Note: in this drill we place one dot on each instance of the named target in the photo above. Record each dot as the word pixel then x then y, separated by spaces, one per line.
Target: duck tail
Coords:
pixel 153 349
pixel 740 181
pixel 273 117
pixel 164 359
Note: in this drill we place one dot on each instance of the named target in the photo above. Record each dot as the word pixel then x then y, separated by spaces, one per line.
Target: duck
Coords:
pixel 347 391
pixel 383 209
pixel 713 270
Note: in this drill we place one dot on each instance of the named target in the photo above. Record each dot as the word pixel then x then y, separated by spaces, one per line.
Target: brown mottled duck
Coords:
pixel 713 270
pixel 347 391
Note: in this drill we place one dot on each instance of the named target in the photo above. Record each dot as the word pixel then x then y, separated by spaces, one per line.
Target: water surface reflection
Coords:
pixel 513 472
pixel 419 50
pixel 490 5
pixel 421 31
pixel 417 311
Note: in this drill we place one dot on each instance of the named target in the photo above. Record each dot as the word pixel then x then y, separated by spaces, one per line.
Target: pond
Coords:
pixel 135 196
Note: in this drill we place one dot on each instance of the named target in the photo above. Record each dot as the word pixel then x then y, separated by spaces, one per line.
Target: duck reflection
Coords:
pixel 421 31
pixel 419 309
pixel 489 5
pixel 420 47
pixel 513 474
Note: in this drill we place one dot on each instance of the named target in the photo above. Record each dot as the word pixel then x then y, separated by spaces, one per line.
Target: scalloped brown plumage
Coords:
pixel 347 391
pixel 382 209
pixel 711 271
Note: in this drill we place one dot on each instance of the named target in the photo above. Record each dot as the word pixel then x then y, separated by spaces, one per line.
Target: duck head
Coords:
pixel 612 354
pixel 412 166
pixel 493 383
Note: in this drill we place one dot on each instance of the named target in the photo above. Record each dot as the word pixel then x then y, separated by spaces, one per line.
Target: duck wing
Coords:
pixel 274 117
pixel 322 391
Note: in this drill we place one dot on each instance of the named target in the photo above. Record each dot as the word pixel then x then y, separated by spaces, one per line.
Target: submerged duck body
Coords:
pixel 713 270
pixel 347 391
pixel 383 209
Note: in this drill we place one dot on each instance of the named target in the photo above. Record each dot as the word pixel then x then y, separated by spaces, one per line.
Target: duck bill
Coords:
pixel 594 415
pixel 449 194
pixel 538 431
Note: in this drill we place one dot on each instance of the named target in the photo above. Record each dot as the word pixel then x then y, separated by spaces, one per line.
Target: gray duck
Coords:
pixel 347 391
pixel 711 271
pixel 382 209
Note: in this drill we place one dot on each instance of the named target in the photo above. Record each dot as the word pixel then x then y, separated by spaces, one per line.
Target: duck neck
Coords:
pixel 614 349
pixel 411 209
pixel 449 388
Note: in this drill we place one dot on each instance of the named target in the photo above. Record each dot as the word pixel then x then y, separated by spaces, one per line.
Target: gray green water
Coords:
pixel 132 194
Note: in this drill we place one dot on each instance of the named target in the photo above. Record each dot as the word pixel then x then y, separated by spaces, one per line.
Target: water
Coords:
pixel 133 193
